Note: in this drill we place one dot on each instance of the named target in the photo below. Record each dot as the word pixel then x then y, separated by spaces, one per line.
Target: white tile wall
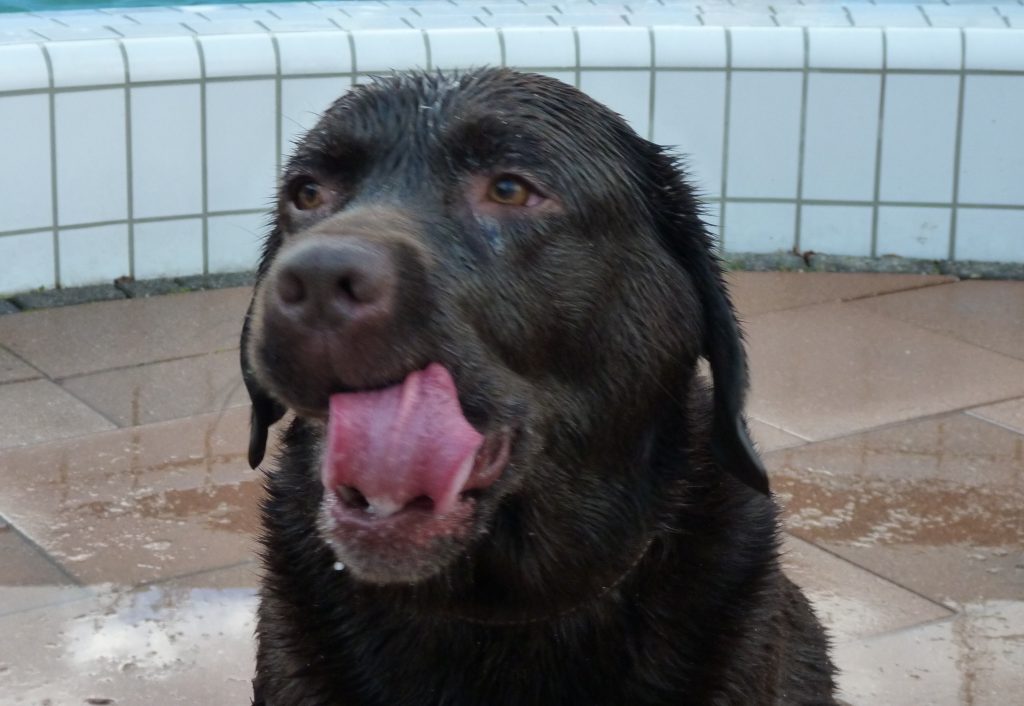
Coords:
pixel 615 46
pixel 913 232
pixel 990 235
pixel 26 194
pixel 227 56
pixel 767 47
pixel 841 135
pixel 235 241
pixel 994 49
pixel 759 227
pixel 88 63
pixel 315 52
pixel 764 134
pixel 836 230
pixel 26 262
pixel 928 48
pixel 240 163
pixel 303 100
pixel 918 148
pixel 992 148
pixel 690 47
pixel 689 112
pixel 628 93
pixel 383 50
pixel 24 68
pixel 844 48
pixel 88 255
pixel 162 58
pixel 166 140
pixel 91 151
pixel 539 47
pixel 168 248
pixel 464 48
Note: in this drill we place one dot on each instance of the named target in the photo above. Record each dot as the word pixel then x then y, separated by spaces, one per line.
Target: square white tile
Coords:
pixel 462 48
pixel 992 146
pixel 764 134
pixel 767 47
pixel 889 15
pixel 759 227
pixel 24 68
pixel 536 47
pixel 303 100
pixel 92 169
pixel 614 46
pixel 919 138
pixel 520 21
pixel 315 52
pixel 836 230
pixel 444 22
pixel 993 235
pixel 980 15
pixel 844 48
pixel 628 93
pixel 568 77
pixel 665 17
pixel 841 136
pixel 86 63
pixel 233 55
pixel 96 255
pixel 162 58
pixel 994 49
pixel 234 241
pixel 26 193
pixel 690 47
pixel 923 48
pixel 241 150
pixel 384 49
pixel 910 231
pixel 689 113
pixel 589 20
pixel 26 262
pixel 168 248
pixel 167 167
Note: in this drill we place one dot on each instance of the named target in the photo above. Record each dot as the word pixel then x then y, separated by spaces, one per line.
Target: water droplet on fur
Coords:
pixel 338 566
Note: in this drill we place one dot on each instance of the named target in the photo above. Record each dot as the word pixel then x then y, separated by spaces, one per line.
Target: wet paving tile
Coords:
pixel 38 411
pixel 987 314
pixel 160 391
pixel 974 659
pixel 760 292
pixel 29 578
pixel 832 369
pixel 138 504
pixel 769 438
pixel 1008 414
pixel 13 369
pixel 853 603
pixel 187 642
pixel 933 505
pixel 90 337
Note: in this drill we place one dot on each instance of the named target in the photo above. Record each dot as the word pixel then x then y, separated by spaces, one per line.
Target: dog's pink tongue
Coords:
pixel 401 443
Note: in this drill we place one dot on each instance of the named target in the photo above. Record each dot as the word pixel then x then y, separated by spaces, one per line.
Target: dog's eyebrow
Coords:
pixel 490 139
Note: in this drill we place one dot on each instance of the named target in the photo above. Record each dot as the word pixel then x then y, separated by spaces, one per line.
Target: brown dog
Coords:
pixel 484 298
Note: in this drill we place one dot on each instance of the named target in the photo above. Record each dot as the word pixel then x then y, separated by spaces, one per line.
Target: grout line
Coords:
pixel 254 561
pixel 576 47
pixel 652 88
pixel 52 561
pixel 278 109
pixel 954 215
pixel 801 148
pixel 54 207
pixel 501 47
pixel 59 380
pixel 426 45
pixel 878 147
pixel 727 124
pixel 203 143
pixel 129 158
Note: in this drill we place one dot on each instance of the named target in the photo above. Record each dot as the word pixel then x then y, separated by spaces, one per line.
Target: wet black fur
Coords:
pixel 629 555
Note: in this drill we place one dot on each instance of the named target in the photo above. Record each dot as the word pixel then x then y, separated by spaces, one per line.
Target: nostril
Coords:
pixel 358 287
pixel 290 288
pixel 347 289
pixel 352 497
pixel 420 502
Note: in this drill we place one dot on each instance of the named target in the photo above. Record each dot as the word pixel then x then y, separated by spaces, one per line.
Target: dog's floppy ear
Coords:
pixel 265 410
pixel 687 239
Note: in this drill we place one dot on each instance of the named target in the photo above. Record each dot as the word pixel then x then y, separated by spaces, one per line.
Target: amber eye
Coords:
pixel 509 191
pixel 308 196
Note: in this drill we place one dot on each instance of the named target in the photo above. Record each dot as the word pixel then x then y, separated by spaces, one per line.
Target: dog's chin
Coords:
pixel 407 547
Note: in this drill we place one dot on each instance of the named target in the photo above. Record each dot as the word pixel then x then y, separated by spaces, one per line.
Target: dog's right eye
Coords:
pixel 308 196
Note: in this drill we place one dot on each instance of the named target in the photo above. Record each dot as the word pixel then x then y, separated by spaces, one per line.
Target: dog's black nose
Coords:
pixel 331 282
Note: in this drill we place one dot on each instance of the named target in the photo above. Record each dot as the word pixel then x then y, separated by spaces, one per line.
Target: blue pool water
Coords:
pixel 41 5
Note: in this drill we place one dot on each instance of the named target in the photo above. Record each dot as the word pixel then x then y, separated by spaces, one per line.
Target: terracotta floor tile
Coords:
pixel 985 313
pixel 759 292
pixel 769 438
pixel 933 505
pixel 162 391
pixel 29 579
pixel 37 411
pixel 13 369
pixel 181 643
pixel 83 339
pixel 138 504
pixel 974 659
pixel 851 602
pixel 1008 414
pixel 833 369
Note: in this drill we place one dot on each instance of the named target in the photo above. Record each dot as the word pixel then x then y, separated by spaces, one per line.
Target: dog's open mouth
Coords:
pixel 402 465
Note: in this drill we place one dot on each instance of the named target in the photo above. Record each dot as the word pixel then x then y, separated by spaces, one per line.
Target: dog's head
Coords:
pixel 487 297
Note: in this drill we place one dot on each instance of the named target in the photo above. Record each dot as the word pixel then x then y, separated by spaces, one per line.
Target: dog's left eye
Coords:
pixel 512 191
pixel 308 196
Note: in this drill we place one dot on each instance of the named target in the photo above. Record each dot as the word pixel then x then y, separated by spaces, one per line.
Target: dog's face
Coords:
pixel 485 294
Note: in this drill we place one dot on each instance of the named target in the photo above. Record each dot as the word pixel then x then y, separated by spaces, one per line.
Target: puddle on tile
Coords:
pixel 185 642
